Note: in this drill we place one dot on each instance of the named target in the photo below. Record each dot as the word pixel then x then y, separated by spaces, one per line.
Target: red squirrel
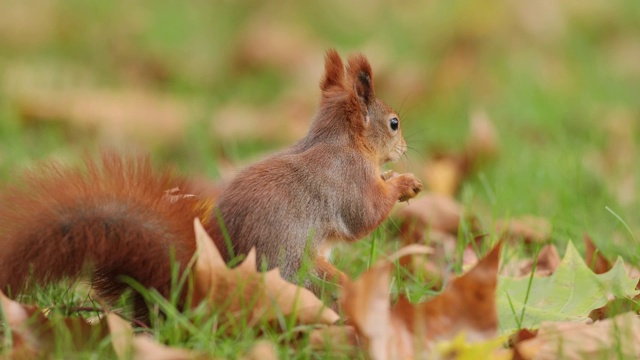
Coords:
pixel 116 216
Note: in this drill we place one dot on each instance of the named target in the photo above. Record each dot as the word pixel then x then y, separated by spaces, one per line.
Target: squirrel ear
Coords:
pixel 360 73
pixel 333 71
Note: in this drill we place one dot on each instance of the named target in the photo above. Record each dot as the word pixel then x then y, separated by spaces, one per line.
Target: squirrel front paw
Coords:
pixel 408 185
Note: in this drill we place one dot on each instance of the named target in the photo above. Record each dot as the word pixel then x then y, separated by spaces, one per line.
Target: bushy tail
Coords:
pixel 114 215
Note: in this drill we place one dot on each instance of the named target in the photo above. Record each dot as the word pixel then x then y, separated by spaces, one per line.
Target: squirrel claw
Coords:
pixel 412 189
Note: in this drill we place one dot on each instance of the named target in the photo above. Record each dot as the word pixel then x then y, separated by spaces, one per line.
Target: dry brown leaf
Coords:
pixel 530 229
pixel 407 330
pixel 469 257
pixel 482 141
pixel 27 24
pixel 115 114
pixel 593 257
pixel 286 120
pixel 262 350
pixel 245 292
pixel 467 303
pixel 431 211
pixel 546 21
pixel 444 174
pixel 140 347
pixel 426 268
pixel 546 264
pixel 30 335
pixel 617 337
pixel 434 266
pixel 341 338
pixel 33 333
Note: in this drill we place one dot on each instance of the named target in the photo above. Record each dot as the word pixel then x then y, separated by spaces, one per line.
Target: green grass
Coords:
pixel 553 91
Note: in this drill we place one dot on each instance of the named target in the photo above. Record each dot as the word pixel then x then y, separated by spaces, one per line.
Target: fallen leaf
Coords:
pixel 600 265
pixel 140 347
pixel 33 334
pixel 460 349
pixel 243 292
pixel 341 338
pixel 617 337
pixel 114 114
pixel 28 326
pixel 482 141
pixel 286 120
pixel 469 257
pixel 262 350
pixel 522 335
pixel 546 264
pixel 546 22
pixel 593 257
pixel 554 298
pixel 530 229
pixel 446 170
pixel 425 267
pixel 467 303
pixel 408 331
pixel 444 173
pixel 430 212
pixel 16 29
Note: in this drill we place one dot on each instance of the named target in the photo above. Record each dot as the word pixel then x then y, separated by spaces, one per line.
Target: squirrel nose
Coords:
pixel 402 147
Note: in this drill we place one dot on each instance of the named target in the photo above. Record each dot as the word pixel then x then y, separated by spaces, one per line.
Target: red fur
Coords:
pixel 113 216
pixel 359 70
pixel 334 72
pixel 326 187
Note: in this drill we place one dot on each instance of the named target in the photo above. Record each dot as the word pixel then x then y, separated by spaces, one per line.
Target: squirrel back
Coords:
pixel 113 216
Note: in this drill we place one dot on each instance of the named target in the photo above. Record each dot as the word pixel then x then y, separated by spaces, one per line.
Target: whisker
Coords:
pixel 402 104
pixel 421 154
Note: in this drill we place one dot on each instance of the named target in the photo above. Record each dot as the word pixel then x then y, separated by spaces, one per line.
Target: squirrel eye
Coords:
pixel 394 124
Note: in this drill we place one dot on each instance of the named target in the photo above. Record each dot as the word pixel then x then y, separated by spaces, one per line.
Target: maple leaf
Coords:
pixel 407 330
pixel 245 292
pixel 571 293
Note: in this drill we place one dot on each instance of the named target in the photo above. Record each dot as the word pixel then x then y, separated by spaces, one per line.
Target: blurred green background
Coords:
pixel 209 85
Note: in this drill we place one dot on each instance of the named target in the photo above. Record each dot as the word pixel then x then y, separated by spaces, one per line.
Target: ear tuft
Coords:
pixel 333 71
pixel 360 73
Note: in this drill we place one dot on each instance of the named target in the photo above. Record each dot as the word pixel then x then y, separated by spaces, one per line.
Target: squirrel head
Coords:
pixel 351 113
